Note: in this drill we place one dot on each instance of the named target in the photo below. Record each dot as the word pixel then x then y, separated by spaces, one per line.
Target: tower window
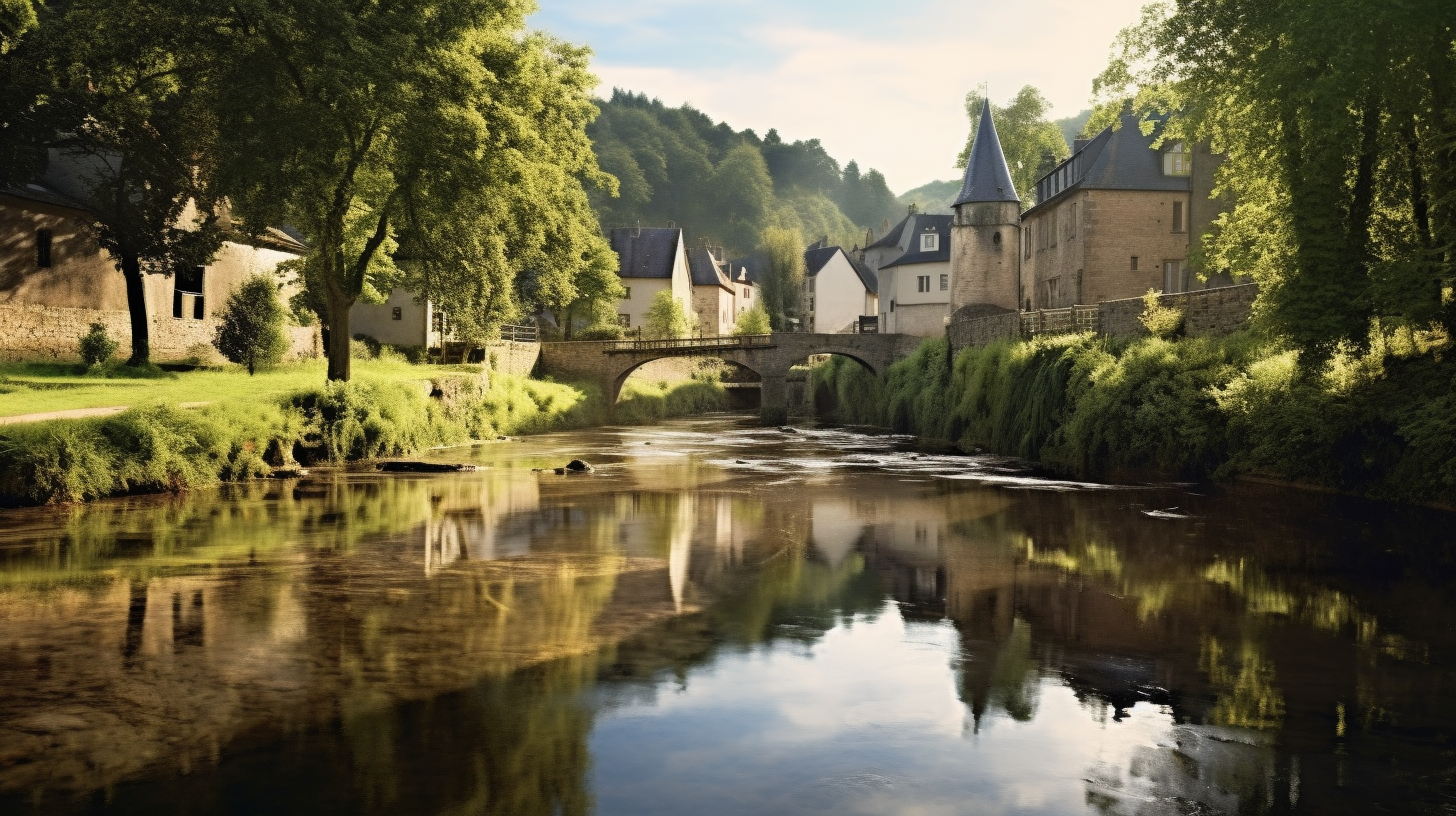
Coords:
pixel 996 239
pixel 43 249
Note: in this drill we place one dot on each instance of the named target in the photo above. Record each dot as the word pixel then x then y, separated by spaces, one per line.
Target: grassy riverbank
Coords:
pixel 254 425
pixel 1381 423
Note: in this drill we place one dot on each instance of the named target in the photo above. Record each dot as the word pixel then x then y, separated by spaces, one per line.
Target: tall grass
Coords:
pixel 164 448
pixel 1380 422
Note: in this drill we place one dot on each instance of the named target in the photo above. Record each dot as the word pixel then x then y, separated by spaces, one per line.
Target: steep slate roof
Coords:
pixel 1122 159
pixel 645 252
pixel 817 257
pixel 705 269
pixel 987 176
pixel 939 224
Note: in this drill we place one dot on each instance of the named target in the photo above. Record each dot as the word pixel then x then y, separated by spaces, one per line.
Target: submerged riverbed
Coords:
pixel 726 619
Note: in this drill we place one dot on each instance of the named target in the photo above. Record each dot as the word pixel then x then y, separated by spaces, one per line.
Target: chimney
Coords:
pixel 1078 144
pixel 671 224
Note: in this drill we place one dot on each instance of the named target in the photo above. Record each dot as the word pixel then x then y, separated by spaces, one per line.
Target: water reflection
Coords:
pixel 723 622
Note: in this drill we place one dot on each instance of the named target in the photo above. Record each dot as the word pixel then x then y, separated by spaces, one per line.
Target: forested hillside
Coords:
pixel 725 186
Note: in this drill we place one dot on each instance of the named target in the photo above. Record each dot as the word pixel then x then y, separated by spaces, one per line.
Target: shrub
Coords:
pixel 251 329
pixel 665 318
pixel 1161 321
pixel 603 331
pixel 753 321
pixel 96 346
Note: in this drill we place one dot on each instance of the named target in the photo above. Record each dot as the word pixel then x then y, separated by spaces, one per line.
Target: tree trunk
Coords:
pixel 338 308
pixel 136 307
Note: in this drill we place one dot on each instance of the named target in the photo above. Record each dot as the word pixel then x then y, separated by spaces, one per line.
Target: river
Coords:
pixel 726 619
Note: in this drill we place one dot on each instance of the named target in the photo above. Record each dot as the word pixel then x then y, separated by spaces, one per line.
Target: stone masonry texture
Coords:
pixel 52 334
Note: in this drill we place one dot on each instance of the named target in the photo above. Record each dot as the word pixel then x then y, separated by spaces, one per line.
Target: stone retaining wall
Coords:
pixel 979 331
pixel 52 334
pixel 518 359
pixel 1205 312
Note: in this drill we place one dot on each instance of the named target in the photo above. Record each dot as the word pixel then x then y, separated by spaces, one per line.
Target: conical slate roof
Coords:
pixel 987 176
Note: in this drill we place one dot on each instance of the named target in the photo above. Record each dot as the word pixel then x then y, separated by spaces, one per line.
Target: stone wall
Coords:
pixel 1205 312
pixel 519 359
pixel 979 331
pixel 52 334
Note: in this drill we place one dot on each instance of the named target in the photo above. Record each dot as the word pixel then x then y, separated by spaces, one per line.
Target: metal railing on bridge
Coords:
pixel 519 334
pixel 1060 321
pixel 694 344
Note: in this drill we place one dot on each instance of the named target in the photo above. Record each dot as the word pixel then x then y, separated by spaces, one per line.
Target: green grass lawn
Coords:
pixel 32 388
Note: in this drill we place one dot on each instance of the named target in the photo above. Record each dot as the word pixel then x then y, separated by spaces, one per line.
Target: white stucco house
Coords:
pixel 912 264
pixel 650 260
pixel 838 290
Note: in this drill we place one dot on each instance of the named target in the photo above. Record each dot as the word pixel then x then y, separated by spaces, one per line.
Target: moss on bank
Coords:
pixel 164 448
pixel 1381 422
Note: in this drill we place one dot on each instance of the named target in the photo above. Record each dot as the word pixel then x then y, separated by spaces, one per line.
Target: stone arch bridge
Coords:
pixel 770 356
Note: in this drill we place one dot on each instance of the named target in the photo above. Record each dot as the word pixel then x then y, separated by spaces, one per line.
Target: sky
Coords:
pixel 880 83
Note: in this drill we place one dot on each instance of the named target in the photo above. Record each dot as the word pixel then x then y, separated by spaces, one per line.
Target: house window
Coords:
pixel 922 283
pixel 1176 161
pixel 624 320
pixel 1056 217
pixel 43 249
pixel 929 242
pixel 811 303
pixel 1029 229
pixel 628 290
pixel 892 305
pixel 944 283
pixel 1072 222
pixel 1134 263
pixel 397 313
pixel 1177 216
pixel 187 283
pixel 1175 277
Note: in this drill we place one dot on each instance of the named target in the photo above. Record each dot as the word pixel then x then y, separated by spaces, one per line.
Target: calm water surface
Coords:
pixel 725 619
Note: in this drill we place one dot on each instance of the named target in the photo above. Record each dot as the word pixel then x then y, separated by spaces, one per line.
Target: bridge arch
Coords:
pixel 619 380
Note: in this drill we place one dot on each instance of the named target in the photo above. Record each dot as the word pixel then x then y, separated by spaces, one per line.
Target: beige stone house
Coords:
pixel 56 280
pixel 715 296
pixel 1115 220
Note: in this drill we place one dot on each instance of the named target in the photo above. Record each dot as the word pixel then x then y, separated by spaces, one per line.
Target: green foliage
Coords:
pixel 665 318
pixel 1164 322
pixel 1027 137
pixel 459 138
pixel 781 290
pixel 675 164
pixel 250 331
pixel 16 17
pixel 753 321
pixel 1378 422
pixel 96 346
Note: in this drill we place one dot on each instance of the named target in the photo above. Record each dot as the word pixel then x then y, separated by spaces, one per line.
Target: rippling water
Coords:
pixel 725 619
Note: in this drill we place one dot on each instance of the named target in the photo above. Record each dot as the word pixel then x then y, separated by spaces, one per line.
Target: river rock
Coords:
pixel 426 467
pixel 575 466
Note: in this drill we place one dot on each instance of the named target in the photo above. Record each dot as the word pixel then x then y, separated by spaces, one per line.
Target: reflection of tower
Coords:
pixel 680 543
pixel 981 599
pixel 985 264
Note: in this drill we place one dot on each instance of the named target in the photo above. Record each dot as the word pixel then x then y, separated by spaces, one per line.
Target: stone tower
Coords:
pixel 985 260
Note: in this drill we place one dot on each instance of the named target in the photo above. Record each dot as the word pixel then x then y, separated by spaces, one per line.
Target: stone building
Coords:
pixel 650 260
pixel 715 297
pixel 912 263
pixel 1115 219
pixel 986 230
pixel 56 280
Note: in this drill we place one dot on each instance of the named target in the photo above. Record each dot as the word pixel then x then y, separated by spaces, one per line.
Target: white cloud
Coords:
pixel 891 99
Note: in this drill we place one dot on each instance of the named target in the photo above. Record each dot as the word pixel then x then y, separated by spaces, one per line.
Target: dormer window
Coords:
pixel 1177 161
pixel 929 242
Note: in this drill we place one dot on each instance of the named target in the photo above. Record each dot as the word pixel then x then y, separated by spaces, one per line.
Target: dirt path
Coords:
pixel 80 413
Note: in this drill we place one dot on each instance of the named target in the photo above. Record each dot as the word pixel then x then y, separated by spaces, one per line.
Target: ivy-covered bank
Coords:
pixel 1381 423
pixel 164 448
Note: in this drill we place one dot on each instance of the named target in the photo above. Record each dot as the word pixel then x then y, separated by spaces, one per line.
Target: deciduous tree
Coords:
pixel 251 329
